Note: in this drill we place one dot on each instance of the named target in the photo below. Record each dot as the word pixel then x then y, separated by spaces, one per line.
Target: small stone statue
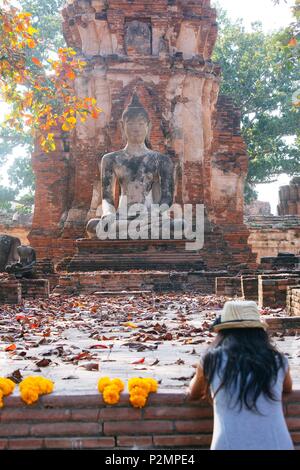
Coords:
pixel 146 177
pixel 25 266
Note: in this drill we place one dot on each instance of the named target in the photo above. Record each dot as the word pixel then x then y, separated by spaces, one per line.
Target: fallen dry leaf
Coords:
pixel 16 376
pixel 43 363
pixel 155 363
pixel 91 366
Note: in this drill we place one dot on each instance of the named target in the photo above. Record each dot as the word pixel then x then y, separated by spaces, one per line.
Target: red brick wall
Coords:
pixel 273 288
pixel 84 422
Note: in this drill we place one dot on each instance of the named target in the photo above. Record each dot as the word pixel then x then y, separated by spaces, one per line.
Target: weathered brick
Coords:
pixel 65 429
pixel 25 444
pixel 293 424
pixel 71 401
pixel 168 412
pixel 28 415
pixel 80 443
pixel 19 429
pixel 176 440
pixel 137 427
pixel 85 415
pixel 293 397
pixel 194 426
pixel 118 414
pixel 293 409
pixel 134 441
pixel 296 437
pixel 167 399
pixel 3 444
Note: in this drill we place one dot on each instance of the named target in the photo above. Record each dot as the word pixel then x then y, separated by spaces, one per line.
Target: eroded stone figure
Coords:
pixel 24 267
pixel 8 250
pixel 145 177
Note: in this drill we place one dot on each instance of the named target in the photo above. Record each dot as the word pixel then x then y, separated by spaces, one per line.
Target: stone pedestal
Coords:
pixel 125 255
pixel 137 282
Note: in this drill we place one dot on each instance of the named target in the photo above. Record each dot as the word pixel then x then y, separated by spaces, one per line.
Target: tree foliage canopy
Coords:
pixel 37 71
pixel 262 76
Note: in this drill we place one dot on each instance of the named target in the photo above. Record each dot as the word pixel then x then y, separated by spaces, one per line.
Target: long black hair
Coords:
pixel 252 364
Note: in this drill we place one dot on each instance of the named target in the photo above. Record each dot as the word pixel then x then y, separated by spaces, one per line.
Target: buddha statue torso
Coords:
pixel 143 179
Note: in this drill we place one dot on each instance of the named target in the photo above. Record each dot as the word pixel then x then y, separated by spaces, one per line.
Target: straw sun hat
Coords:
pixel 239 314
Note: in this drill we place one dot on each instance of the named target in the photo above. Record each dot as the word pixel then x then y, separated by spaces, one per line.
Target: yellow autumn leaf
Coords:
pixel 31 30
pixel 71 120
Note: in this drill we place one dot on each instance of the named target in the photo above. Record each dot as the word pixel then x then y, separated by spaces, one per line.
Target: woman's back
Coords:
pixel 238 428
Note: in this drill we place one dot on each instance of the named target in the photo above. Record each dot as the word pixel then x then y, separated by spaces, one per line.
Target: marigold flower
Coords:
pixel 139 391
pixel 29 382
pixel 29 395
pixel 103 383
pixel 45 385
pixel 33 386
pixel 118 384
pixel 153 385
pixel 1 399
pixel 6 386
pixel 111 395
pixel 138 400
pixel 134 382
pixel 140 383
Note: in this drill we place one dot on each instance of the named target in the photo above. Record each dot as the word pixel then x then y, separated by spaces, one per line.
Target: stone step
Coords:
pixel 122 292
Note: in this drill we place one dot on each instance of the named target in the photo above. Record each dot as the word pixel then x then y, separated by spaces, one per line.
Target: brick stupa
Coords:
pixel 162 51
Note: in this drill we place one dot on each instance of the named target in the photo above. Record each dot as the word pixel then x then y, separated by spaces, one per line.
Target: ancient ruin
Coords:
pixel 162 52
pixel 289 197
pixel 144 307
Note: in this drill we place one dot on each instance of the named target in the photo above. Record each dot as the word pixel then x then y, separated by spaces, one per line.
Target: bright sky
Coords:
pixel 271 16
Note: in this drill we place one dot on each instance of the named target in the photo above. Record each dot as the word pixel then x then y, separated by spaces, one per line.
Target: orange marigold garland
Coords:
pixel 6 388
pixel 32 387
pixel 139 390
pixel 110 389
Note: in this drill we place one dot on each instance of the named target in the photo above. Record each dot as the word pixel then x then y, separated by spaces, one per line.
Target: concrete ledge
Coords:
pixel 85 422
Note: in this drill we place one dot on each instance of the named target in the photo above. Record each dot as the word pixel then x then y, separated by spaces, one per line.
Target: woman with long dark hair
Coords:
pixel 245 376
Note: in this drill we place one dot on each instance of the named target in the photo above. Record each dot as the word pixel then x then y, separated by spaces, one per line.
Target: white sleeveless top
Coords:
pixel 242 429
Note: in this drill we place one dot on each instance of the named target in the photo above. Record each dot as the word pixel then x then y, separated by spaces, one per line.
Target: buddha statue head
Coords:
pixel 135 122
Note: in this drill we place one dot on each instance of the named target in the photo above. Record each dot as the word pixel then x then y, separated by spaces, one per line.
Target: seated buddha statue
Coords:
pixel 145 178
